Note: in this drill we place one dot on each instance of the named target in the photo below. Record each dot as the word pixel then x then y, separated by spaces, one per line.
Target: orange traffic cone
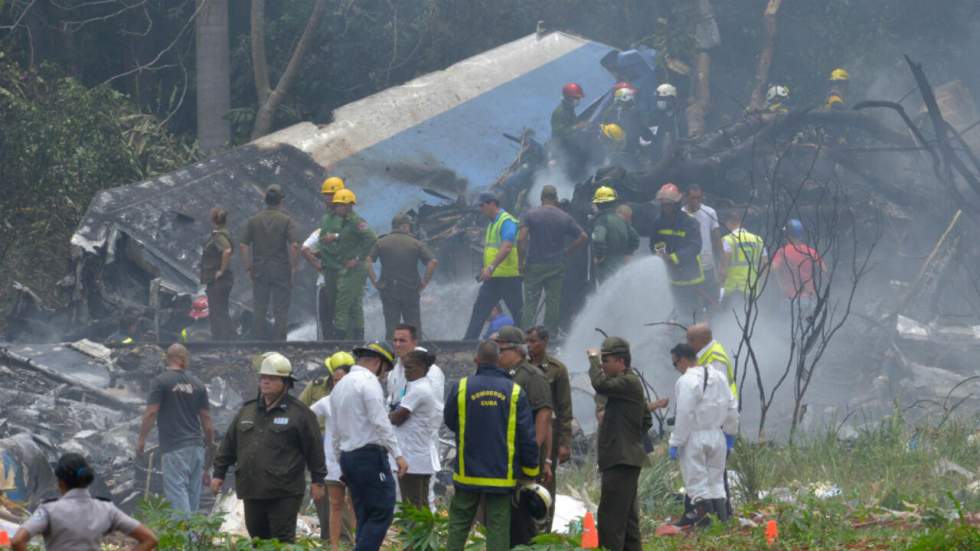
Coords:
pixel 590 536
pixel 4 539
pixel 772 532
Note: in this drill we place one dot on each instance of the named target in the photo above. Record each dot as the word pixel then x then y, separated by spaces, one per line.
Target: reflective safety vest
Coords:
pixel 682 271
pixel 491 245
pixel 746 260
pixel 488 454
pixel 716 353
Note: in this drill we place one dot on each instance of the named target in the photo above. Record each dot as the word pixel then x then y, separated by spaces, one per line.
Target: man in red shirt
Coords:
pixel 794 264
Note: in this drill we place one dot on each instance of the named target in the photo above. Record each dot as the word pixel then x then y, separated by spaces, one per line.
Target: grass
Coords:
pixel 893 495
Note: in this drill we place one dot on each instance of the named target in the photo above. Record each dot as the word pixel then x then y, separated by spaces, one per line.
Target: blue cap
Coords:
pixel 794 228
pixel 487 197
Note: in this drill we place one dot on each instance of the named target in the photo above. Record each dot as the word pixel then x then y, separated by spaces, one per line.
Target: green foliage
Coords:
pixel 552 542
pixel 421 529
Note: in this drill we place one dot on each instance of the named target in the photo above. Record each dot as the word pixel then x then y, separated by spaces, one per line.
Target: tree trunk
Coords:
pixel 270 99
pixel 213 60
pixel 697 111
pixel 765 55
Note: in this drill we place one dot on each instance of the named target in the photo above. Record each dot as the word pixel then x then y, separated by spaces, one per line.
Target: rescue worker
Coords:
pixel 272 236
pixel 362 439
pixel 400 287
pixel 406 340
pixel 328 267
pixel 677 241
pixel 541 240
pixel 495 438
pixel 625 422
pixel 338 365
pixel 354 242
pixel 667 120
pixel 798 267
pixel 710 242
pixel 336 517
pixel 218 277
pixel 613 238
pixel 625 113
pixel 269 441
pixel 837 92
pixel 560 385
pixel 612 146
pixel 76 520
pixel 704 430
pixel 777 99
pixel 744 260
pixel 417 417
pixel 199 329
pixel 566 147
pixel 500 277
pixel 513 360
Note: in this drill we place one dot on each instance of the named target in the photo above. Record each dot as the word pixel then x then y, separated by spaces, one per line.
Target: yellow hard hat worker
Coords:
pixel 604 194
pixel 332 184
pixel 338 359
pixel 834 100
pixel 614 132
pixel 344 197
pixel 839 74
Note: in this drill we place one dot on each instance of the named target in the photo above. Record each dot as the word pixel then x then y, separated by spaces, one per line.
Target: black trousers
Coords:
pixel 496 289
pixel 219 305
pixel 400 304
pixel 415 489
pixel 368 476
pixel 272 518
pixel 619 512
pixel 276 289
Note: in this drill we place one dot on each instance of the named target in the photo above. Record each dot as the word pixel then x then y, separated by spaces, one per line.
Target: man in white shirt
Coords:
pixel 416 418
pixel 710 237
pixel 405 340
pixel 323 296
pixel 362 439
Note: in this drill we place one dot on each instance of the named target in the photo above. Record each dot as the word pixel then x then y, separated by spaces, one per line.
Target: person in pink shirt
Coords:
pixel 795 264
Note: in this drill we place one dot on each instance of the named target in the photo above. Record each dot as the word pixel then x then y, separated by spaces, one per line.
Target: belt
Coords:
pixel 369 448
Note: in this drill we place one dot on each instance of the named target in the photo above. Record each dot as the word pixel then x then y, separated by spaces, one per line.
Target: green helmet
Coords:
pixel 509 336
pixel 615 345
pixel 275 364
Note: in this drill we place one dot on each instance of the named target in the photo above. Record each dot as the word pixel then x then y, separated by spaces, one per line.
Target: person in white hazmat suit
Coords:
pixel 705 425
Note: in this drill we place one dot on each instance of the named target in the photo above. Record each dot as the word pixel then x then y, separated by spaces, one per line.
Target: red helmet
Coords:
pixel 199 308
pixel 623 84
pixel 669 193
pixel 572 90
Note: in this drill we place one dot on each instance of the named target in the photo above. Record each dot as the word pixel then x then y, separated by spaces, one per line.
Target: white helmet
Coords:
pixel 666 90
pixel 777 91
pixel 625 95
pixel 537 500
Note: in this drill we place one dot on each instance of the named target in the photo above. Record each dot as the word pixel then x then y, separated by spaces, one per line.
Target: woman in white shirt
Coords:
pixel 416 419
pixel 335 488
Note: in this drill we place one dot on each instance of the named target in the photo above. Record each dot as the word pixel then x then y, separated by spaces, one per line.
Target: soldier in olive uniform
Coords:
pixel 354 241
pixel 613 238
pixel 620 447
pixel 328 265
pixel 215 273
pixel 400 287
pixel 560 384
pixel 513 360
pixel 270 441
pixel 273 238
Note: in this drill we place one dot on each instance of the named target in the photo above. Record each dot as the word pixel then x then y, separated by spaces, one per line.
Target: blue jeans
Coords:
pixel 183 472
pixel 367 474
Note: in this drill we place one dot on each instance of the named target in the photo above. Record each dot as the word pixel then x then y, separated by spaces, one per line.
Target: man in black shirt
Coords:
pixel 179 403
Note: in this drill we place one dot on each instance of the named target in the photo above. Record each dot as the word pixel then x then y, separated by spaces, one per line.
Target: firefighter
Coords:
pixel 777 99
pixel 491 417
pixel 566 137
pixel 837 93
pixel 354 242
pixel 199 329
pixel 613 238
pixel 677 241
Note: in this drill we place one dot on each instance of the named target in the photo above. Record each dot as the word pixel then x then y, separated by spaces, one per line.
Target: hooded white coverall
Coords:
pixel 703 413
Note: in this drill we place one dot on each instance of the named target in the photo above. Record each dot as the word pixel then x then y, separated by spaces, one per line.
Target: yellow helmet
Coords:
pixel 338 359
pixel 604 194
pixel 332 184
pixel 614 132
pixel 834 100
pixel 839 74
pixel 344 197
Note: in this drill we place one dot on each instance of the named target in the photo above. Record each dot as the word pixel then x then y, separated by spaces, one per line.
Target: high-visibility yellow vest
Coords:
pixel 746 260
pixel 716 353
pixel 491 245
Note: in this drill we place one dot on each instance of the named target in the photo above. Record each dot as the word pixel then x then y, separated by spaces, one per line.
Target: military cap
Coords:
pixel 274 189
pixel 615 345
pixel 487 197
pixel 509 335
